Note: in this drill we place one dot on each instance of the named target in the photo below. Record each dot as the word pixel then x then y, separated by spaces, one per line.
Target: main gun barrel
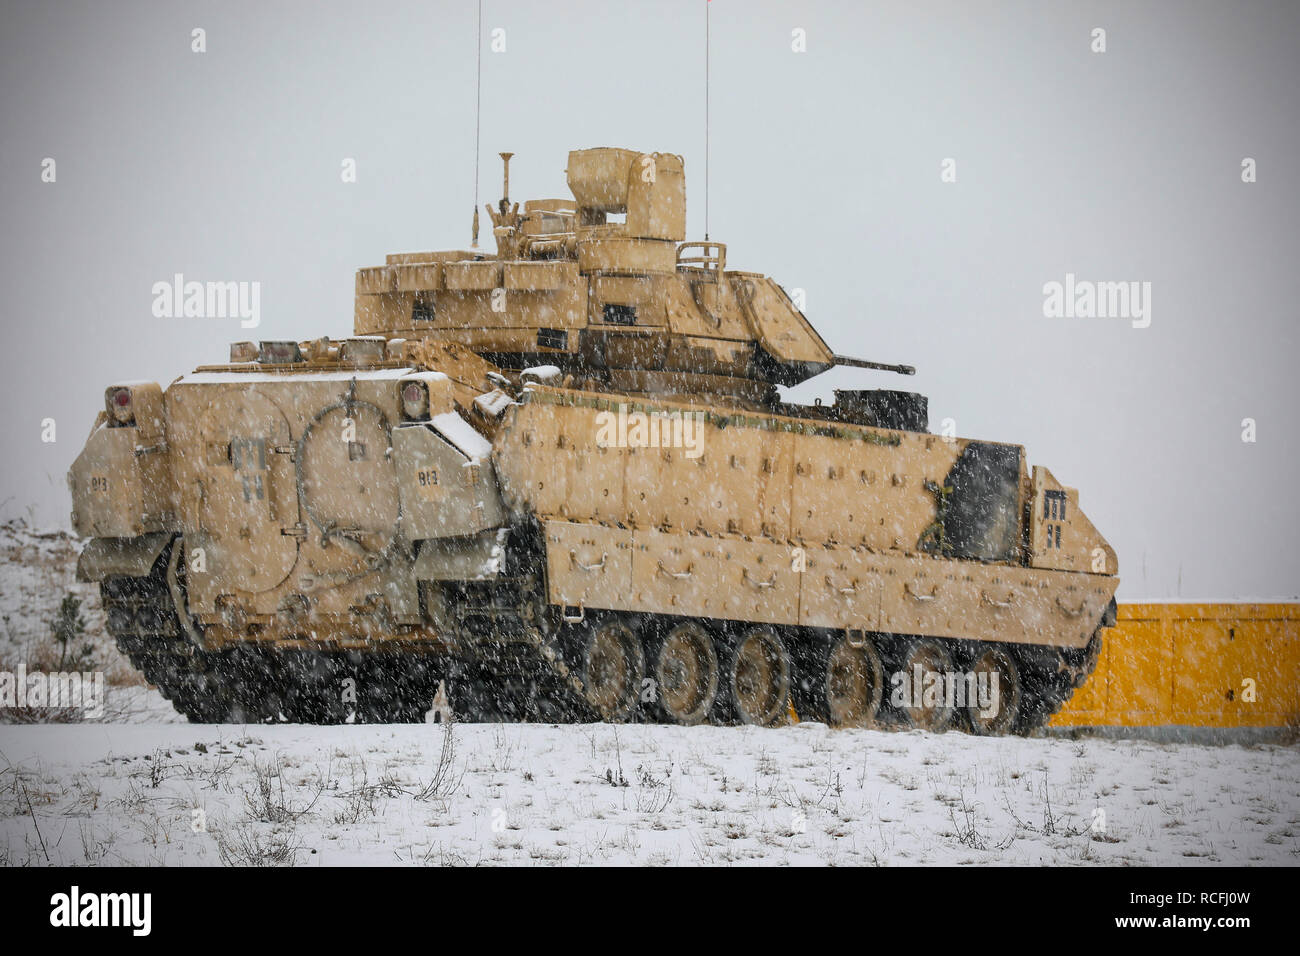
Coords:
pixel 879 366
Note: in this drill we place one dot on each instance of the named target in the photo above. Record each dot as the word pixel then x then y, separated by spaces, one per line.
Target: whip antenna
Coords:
pixel 478 104
pixel 706 119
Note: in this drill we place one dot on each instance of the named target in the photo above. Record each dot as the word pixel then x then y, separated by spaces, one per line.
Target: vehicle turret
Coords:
pixel 604 286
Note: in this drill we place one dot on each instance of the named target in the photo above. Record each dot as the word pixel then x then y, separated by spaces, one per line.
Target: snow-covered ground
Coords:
pixel 601 794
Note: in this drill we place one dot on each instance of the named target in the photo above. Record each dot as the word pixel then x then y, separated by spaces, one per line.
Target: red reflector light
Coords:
pixel 415 401
pixel 118 402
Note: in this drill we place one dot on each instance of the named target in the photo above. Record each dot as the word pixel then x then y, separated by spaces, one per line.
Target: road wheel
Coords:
pixel 758 677
pixel 612 667
pixel 686 674
pixel 992 664
pixel 853 683
pixel 926 711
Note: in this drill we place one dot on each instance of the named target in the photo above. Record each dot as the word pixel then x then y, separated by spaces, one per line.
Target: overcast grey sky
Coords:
pixel 1115 166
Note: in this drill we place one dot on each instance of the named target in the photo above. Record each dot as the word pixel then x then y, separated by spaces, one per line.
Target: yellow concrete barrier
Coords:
pixel 1194 665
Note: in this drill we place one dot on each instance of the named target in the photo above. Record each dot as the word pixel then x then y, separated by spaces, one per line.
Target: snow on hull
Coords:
pixel 493 403
pixel 462 434
pixel 306 375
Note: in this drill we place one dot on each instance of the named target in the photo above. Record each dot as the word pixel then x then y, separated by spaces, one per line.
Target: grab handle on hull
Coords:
pixel 1069 611
pixel 851 589
pixel 679 575
pixel 914 593
pixel 573 556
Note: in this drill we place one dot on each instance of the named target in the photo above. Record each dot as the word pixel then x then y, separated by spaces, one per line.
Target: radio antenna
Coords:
pixel 478 110
pixel 707 6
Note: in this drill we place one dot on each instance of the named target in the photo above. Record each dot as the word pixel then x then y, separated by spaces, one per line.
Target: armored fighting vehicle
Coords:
pixel 560 482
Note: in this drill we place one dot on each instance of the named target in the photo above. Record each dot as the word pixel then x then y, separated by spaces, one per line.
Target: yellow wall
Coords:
pixel 1192 665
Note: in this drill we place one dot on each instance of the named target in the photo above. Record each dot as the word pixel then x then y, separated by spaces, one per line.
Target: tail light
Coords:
pixel 415 400
pixel 120 404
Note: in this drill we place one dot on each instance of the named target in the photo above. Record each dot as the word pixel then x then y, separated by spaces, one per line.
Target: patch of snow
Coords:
pixel 463 435
pixel 542 373
pixel 493 403
pixel 495 562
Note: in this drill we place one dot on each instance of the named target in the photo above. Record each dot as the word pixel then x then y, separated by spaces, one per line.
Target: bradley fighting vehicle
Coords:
pixel 561 480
